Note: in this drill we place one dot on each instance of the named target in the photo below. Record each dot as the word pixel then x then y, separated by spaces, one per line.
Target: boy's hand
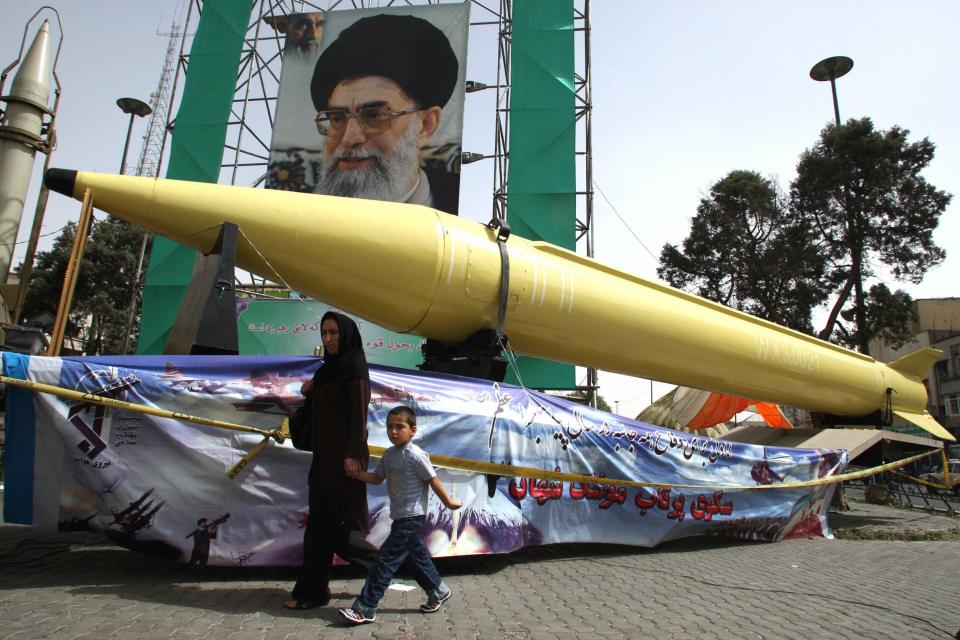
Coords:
pixel 351 466
pixel 447 501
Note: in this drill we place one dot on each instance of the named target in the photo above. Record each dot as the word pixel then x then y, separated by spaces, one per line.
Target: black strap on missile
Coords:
pixel 888 413
pixel 503 232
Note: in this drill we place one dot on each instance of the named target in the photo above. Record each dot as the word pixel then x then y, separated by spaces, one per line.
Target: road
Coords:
pixel 75 586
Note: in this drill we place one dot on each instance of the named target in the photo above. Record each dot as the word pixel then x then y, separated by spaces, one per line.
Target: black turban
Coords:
pixel 408 50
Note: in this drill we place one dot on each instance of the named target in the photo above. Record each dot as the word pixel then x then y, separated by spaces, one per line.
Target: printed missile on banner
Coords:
pixel 417 270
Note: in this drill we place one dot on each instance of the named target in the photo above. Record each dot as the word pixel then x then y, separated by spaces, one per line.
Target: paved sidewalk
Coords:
pixel 78 585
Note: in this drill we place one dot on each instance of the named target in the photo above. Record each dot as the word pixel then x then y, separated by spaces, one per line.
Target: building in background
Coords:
pixel 937 326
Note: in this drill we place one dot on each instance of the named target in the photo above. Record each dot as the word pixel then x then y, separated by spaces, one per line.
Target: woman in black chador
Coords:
pixel 334 416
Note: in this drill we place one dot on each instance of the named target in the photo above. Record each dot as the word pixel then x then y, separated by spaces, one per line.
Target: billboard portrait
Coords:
pixel 376 111
pixel 303 31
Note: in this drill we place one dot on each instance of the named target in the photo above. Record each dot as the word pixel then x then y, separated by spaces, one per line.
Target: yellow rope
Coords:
pixel 281 432
pixel 542 474
pixel 138 408
pixel 945 486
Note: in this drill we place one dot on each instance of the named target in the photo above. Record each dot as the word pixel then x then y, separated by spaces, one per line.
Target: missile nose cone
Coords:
pixel 32 81
pixel 61 181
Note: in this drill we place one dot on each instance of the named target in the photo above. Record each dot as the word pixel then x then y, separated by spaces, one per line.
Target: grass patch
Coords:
pixel 950 535
pixel 953 513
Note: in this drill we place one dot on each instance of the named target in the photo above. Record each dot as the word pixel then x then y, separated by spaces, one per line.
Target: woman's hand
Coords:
pixel 306 387
pixel 351 466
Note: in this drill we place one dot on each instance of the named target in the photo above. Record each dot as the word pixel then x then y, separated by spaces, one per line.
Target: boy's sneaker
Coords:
pixel 355 617
pixel 435 601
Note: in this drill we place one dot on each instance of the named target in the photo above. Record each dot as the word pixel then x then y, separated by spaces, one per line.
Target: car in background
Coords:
pixel 936 477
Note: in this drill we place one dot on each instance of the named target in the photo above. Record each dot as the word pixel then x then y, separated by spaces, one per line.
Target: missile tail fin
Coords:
pixel 918 363
pixel 926 422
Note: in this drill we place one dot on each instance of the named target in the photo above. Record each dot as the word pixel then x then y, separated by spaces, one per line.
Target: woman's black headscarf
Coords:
pixel 349 363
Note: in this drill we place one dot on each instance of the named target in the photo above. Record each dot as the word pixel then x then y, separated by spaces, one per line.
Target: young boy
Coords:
pixel 408 472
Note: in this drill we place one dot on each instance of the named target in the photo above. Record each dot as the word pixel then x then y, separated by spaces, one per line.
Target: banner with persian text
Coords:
pixel 291 327
pixel 160 485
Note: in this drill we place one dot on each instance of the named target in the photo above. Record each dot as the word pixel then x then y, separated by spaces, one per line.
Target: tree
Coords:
pixel 861 190
pixel 46 280
pixel 104 283
pixel 746 251
pixel 890 316
pixel 584 398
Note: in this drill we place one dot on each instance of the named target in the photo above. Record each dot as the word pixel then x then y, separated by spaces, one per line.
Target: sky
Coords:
pixel 683 93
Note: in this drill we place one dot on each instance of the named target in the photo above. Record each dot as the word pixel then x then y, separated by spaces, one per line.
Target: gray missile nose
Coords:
pixel 61 180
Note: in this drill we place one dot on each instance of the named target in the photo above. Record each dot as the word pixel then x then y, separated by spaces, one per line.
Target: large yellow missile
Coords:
pixel 417 270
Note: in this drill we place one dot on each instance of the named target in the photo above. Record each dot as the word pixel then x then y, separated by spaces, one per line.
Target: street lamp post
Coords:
pixel 831 69
pixel 135 108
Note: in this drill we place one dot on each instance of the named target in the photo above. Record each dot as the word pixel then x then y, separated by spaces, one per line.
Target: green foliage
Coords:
pixel 582 397
pixel 858 206
pixel 602 404
pixel 46 280
pixel 104 283
pixel 746 251
pixel 890 315
pixel 863 192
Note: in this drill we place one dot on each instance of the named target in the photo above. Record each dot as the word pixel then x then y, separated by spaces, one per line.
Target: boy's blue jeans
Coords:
pixel 404 540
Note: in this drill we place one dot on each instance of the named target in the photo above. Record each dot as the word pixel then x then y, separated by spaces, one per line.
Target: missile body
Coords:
pixel 19 134
pixel 416 270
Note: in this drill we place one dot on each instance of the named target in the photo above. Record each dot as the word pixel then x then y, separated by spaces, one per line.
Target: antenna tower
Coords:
pixel 152 152
pixel 151 155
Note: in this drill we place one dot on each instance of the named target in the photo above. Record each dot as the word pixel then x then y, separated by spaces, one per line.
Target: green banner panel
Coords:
pixel 292 327
pixel 541 197
pixel 196 152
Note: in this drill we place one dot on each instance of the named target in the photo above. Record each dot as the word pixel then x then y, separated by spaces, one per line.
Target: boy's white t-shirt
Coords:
pixel 408 471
